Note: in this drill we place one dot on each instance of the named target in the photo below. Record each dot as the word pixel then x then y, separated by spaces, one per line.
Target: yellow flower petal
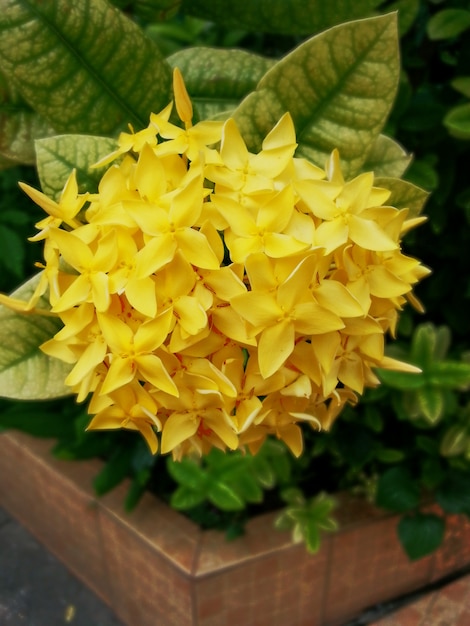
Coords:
pixel 274 347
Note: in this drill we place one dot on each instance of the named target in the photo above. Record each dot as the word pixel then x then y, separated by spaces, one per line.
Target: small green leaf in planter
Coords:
pixel 307 518
pixel 187 473
pixel 421 534
pixel 397 491
pixel 137 489
pixel 224 497
pixel 246 486
pixel 116 469
pixel 453 494
pixel 184 498
pixel 263 471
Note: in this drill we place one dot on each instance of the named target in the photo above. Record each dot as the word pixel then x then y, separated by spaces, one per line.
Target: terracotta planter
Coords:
pixel 156 567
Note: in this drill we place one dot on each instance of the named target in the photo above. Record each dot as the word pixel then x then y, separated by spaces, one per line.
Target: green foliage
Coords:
pixel 74 76
pixel 217 79
pixel 397 491
pixel 322 84
pixel 427 395
pixel 421 534
pixel 448 23
pixel 27 373
pixel 229 482
pixel 307 518
pixel 277 16
pixel 57 156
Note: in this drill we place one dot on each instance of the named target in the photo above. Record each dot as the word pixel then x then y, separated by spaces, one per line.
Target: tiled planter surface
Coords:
pixel 156 568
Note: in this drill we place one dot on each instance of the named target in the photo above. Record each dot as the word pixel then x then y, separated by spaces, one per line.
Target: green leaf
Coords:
pixel 403 381
pixel 432 472
pixel 311 535
pixel 90 69
pixel 13 251
pixel 462 85
pixel 116 469
pixel 247 487
pixel 443 339
pixel 448 23
pixel 94 445
pixel 338 86
pixel 26 373
pixel 450 374
pixel 397 491
pixel 421 534
pixel 184 498
pixel 427 444
pixel 57 156
pixel 455 441
pixel 320 508
pixel 152 10
pixel 404 195
pixel 373 419
pixel 224 497
pixel 423 345
pixel 218 79
pixel 423 174
pixel 389 455
pixel 137 489
pixel 186 473
pixel 263 471
pixel 457 121
pixel 19 125
pixel 431 403
pixel 278 16
pixel 386 158
pixel 36 420
pixel 408 11
pixel 453 494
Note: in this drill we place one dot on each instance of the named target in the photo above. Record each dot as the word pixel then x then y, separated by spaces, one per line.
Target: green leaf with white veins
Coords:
pixel 57 156
pixel 338 86
pixel 404 194
pixel 83 66
pixel 218 79
pixel 19 125
pixel 387 158
pixel 26 373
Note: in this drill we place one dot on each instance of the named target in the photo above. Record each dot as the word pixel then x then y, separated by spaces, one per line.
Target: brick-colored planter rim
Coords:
pixel 154 566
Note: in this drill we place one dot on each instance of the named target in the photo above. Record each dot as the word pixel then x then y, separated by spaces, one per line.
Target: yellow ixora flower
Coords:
pixel 213 297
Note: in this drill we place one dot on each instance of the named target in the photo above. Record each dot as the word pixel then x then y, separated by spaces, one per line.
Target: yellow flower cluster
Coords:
pixel 211 296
